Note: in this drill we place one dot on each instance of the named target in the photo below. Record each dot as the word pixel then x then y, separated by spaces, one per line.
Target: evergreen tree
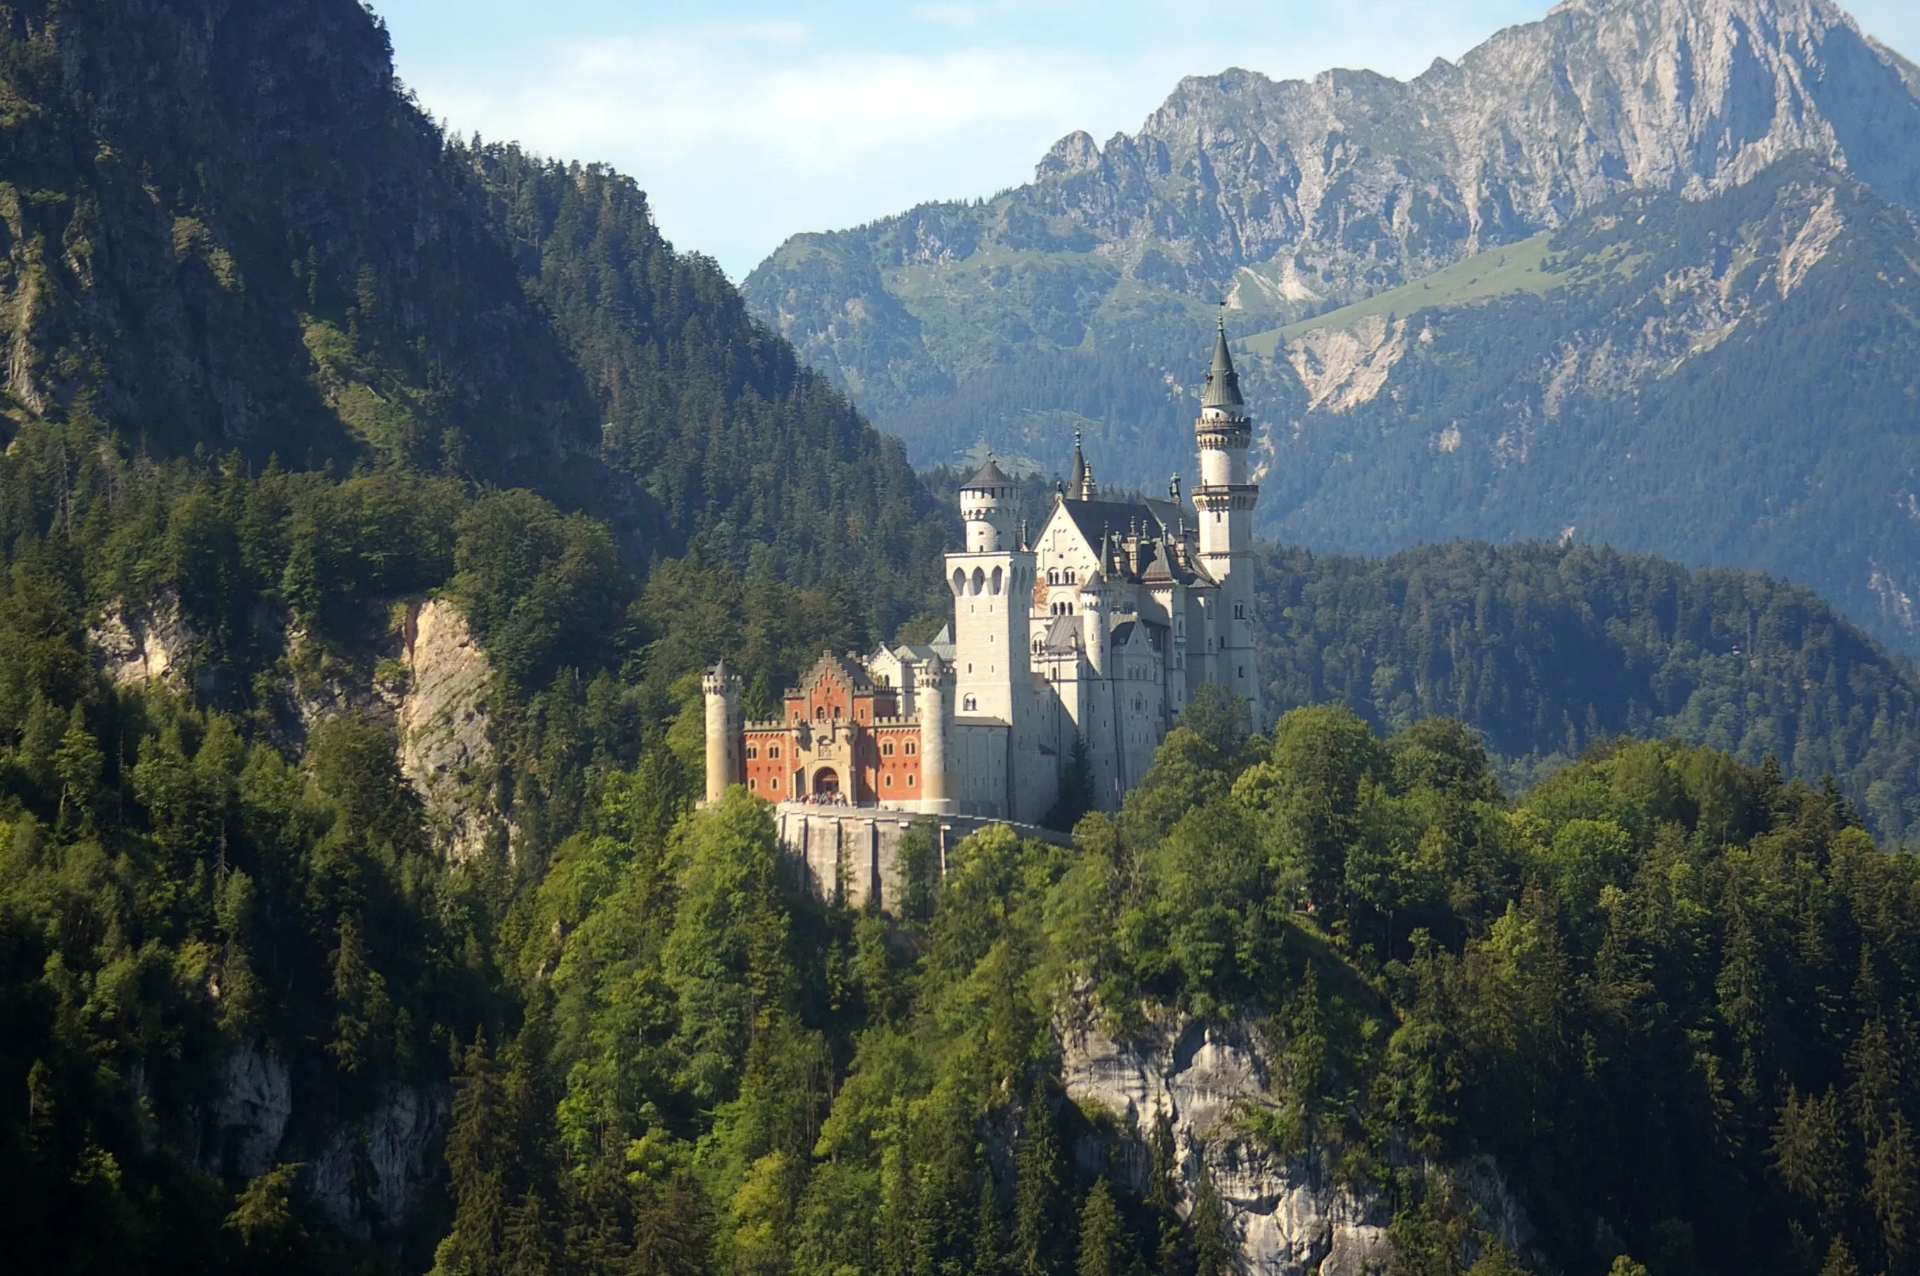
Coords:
pixel 1037 1190
pixel 1101 1241
pixel 1076 795
pixel 989 1230
pixel 1215 1251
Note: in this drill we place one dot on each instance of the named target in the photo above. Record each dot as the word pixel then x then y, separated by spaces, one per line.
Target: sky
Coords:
pixel 748 121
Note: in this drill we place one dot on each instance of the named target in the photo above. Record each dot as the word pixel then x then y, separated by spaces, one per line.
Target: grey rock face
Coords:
pixel 1283 195
pixel 442 724
pixel 1290 1215
pixel 250 1113
pixel 373 1174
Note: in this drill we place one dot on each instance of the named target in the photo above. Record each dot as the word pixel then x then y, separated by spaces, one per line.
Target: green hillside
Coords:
pixel 361 553
pixel 1528 266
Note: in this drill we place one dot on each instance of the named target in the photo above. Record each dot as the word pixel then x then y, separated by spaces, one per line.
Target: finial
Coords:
pixel 1173 488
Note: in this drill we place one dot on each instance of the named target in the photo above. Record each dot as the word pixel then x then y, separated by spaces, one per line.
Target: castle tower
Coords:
pixel 722 688
pixel 930 703
pixel 992 585
pixel 1225 501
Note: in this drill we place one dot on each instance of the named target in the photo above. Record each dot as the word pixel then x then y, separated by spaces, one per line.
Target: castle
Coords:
pixel 1096 632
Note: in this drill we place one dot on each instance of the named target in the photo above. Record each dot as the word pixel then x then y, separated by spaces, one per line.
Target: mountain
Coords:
pixel 228 228
pixel 1550 650
pixel 1078 301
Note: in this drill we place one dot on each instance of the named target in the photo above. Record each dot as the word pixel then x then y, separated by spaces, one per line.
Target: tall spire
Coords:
pixel 1223 383
pixel 1080 481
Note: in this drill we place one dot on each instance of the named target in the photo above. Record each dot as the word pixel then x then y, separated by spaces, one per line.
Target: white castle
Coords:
pixel 1097 631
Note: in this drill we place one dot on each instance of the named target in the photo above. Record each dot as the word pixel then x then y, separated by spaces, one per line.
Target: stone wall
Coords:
pixel 852 854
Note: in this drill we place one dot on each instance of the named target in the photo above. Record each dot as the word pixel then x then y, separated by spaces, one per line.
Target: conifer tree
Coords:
pixel 1214 1251
pixel 1037 1196
pixel 990 1229
pixel 1100 1235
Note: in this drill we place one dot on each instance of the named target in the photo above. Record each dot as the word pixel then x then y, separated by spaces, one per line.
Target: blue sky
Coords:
pixel 748 121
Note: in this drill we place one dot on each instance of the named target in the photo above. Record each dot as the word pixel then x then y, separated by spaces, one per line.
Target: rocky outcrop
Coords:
pixel 368 1176
pixel 442 724
pixel 248 1118
pixel 137 645
pixel 1291 1215
pixel 1345 367
pixel 372 1175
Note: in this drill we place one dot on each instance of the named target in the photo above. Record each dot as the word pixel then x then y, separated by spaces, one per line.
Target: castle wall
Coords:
pixel 852 857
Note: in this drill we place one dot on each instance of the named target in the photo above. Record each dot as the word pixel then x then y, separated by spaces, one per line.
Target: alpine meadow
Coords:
pixel 1472 836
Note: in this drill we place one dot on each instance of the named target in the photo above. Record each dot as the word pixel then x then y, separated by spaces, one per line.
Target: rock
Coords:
pixel 372 1175
pixel 249 1116
pixel 442 722
pixel 1291 1215
pixel 139 645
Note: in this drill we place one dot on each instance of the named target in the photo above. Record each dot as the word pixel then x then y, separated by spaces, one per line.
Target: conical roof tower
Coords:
pixel 1223 383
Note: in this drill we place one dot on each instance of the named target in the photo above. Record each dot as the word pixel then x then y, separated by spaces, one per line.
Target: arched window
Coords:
pixel 819 713
pixel 993 585
pixel 971 704
pixel 959 581
pixel 979 580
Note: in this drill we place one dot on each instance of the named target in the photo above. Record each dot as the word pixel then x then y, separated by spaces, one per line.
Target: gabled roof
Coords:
pixel 1062 635
pixel 847 670
pixel 1099 518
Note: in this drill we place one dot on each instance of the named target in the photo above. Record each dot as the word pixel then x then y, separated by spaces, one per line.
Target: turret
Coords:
pixel 722 688
pixel 930 701
pixel 986 502
pixel 1224 502
pixel 1093 623
pixel 1080 485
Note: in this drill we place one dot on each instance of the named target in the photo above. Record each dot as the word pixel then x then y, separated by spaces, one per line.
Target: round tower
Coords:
pixel 930 703
pixel 1093 622
pixel 1224 502
pixel 986 507
pixel 722 688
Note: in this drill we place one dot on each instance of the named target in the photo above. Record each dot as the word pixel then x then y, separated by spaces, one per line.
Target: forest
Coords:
pixel 1655 995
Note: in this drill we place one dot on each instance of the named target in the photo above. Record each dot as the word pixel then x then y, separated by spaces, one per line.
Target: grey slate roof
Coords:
pixel 988 475
pixel 1223 383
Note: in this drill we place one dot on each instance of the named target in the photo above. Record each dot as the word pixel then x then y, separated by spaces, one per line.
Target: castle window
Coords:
pixel 912 748
pixel 773 751
pixel 993 585
pixel 774 784
pixel 887 748
pixel 889 780
pixel 1239 611
pixel 752 785
pixel 819 713
pixel 971 703
pixel 753 751
pixel 1242 672
pixel 909 780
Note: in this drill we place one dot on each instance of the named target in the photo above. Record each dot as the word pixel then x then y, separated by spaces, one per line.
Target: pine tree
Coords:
pixel 1100 1236
pixel 1214 1251
pixel 1075 797
pixel 990 1230
pixel 1036 1202
pixel 480 1154
pixel 1839 1260
pixel 1163 1193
